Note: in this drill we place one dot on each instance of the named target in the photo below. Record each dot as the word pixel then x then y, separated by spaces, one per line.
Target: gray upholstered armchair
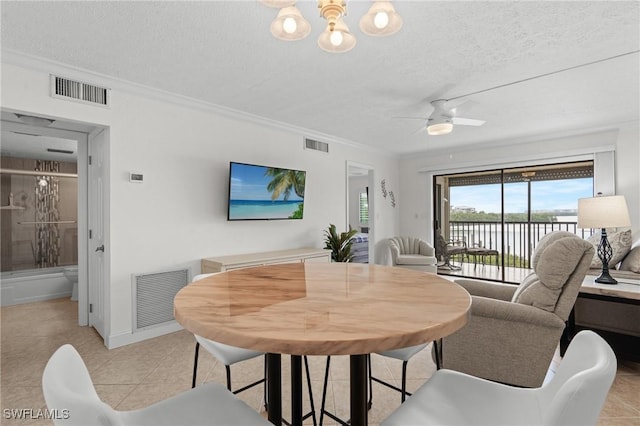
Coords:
pixel 513 331
pixel 413 253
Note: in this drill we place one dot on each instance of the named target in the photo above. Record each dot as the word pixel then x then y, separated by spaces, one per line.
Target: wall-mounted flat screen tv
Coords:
pixel 265 193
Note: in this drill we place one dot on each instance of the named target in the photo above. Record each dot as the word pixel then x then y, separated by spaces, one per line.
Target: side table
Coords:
pixel 627 291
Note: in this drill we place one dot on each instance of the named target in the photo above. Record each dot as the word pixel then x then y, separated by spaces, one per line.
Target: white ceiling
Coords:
pixel 222 52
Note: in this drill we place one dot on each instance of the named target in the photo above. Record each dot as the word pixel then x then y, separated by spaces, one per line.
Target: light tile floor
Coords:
pixel 137 375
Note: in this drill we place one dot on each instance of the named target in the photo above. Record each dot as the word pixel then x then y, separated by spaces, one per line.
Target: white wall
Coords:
pixel 628 170
pixel 416 208
pixel 178 215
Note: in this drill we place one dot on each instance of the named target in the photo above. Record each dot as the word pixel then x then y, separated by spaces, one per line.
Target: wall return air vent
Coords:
pixel 316 145
pixel 65 88
pixel 153 297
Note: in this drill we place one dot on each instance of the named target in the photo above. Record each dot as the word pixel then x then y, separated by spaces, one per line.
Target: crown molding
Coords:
pixel 54 67
pixel 611 129
pixel 524 160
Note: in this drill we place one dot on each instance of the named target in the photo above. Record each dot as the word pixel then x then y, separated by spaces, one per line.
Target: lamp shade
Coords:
pixel 603 212
pixel 339 40
pixel 290 25
pixel 381 20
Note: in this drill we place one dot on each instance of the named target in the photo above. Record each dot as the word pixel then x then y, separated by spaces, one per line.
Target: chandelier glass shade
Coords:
pixel 278 3
pixel 380 20
pixel 337 39
pixel 290 25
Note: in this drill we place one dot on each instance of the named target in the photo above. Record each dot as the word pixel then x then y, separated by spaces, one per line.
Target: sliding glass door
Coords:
pixel 500 215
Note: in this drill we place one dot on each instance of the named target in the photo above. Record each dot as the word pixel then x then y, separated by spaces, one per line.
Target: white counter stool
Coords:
pixel 226 354
pixel 229 355
pixel 403 354
pixel 574 396
pixel 69 392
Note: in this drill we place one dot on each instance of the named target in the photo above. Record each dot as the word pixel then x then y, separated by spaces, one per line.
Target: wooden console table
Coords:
pixel 227 263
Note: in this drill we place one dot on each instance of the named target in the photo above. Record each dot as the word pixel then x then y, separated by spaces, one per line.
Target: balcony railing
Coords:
pixel 514 241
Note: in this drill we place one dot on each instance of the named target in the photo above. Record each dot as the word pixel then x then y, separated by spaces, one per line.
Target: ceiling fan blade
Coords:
pixel 467 121
pixel 419 130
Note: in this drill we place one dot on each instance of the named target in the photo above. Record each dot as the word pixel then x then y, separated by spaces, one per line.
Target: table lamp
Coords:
pixel 603 212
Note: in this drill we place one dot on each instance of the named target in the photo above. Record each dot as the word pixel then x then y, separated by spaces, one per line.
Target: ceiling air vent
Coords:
pixel 316 145
pixel 76 90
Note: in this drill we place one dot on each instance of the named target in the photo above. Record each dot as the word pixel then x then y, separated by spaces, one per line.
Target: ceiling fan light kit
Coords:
pixel 440 128
pixel 380 20
pixel 443 118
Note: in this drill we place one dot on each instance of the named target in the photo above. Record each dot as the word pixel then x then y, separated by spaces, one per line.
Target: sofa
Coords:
pixel 610 315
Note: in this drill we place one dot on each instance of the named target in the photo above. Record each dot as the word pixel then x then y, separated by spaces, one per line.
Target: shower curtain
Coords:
pixel 47 190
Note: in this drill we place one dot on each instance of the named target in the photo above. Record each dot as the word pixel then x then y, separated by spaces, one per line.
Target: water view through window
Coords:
pixel 507 211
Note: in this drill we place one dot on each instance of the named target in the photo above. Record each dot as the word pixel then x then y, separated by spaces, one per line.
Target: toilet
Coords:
pixel 71 273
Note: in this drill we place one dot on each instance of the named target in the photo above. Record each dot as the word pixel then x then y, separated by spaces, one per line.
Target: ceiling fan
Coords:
pixel 443 117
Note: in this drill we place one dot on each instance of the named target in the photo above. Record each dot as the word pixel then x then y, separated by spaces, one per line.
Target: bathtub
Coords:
pixel 33 285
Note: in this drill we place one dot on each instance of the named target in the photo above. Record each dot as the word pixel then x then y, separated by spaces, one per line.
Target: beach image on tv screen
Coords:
pixel 259 192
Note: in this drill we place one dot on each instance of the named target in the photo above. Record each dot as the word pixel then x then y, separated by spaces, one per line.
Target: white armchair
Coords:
pixel 413 253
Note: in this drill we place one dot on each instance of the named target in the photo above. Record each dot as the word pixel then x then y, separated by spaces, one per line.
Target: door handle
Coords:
pixel 101 248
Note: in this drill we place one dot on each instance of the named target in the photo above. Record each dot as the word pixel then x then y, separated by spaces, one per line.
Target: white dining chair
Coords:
pixel 574 396
pixel 70 395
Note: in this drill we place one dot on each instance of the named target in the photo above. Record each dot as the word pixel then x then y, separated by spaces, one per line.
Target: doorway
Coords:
pixel 60 232
pixel 360 210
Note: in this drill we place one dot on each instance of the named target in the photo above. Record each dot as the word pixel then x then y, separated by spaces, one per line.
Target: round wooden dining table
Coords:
pixel 321 309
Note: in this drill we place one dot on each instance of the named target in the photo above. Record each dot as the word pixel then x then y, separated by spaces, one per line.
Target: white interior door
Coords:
pixel 97 232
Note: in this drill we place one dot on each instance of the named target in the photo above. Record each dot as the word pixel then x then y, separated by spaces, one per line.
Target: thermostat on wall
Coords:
pixel 135 177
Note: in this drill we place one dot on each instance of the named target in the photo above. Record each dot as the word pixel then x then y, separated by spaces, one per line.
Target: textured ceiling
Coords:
pixel 222 52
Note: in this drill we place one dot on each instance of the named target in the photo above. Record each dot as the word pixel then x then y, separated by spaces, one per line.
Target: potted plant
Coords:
pixel 340 245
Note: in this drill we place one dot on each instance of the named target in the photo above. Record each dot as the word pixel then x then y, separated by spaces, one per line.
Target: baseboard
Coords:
pixel 127 338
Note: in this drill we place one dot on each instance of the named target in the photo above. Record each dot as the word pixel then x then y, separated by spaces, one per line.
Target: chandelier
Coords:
pixel 290 25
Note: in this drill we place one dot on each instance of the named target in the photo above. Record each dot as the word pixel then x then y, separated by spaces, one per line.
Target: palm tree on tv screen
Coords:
pixel 284 181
